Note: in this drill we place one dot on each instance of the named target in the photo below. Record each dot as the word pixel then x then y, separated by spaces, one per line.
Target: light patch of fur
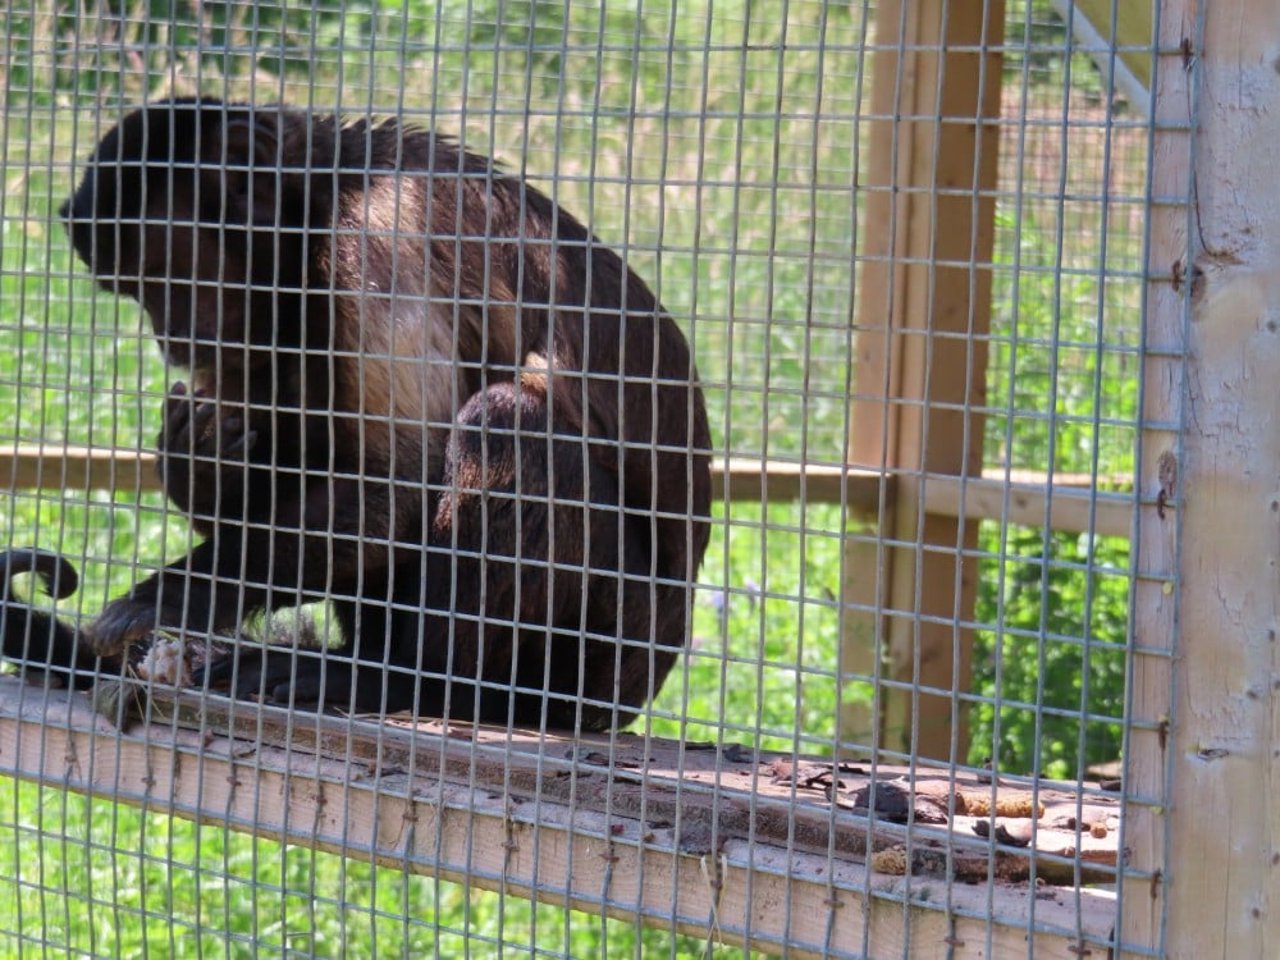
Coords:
pixel 398 346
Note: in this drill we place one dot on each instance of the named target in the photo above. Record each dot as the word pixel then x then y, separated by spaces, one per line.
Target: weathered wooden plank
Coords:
pixel 381 796
pixel 72 467
pixel 1075 509
pixel 760 481
pixel 1142 889
pixel 53 466
pixel 1206 736
pixel 928 239
pixel 765 797
pixel 859 626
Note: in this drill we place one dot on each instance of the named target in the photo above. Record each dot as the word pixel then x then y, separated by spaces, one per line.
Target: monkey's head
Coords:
pixel 179 208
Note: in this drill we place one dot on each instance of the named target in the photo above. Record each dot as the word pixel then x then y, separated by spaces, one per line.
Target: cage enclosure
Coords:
pixel 580 479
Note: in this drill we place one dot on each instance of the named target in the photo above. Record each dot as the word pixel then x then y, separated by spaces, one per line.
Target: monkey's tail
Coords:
pixel 36 638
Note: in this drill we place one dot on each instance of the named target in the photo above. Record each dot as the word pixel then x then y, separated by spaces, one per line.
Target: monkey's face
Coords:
pixel 188 271
pixel 157 220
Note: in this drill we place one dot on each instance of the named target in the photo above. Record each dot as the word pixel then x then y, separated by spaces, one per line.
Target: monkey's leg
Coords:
pixel 616 621
pixel 582 623
pixel 202 463
pixel 353 676
pixel 409 623
pixel 531 615
pixel 485 563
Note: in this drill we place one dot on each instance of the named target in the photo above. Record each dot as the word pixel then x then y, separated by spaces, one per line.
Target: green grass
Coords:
pixel 729 142
pixel 105 880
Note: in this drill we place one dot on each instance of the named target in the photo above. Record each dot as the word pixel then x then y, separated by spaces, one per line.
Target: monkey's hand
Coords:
pixel 121 622
pixel 202 455
pixel 204 592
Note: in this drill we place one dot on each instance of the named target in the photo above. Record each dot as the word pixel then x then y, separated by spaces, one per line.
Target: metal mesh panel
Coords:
pixel 840 668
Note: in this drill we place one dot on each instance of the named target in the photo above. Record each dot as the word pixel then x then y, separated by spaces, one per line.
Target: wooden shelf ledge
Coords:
pixel 709 839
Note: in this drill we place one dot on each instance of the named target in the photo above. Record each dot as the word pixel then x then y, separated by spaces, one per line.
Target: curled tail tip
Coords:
pixel 36 638
pixel 58 577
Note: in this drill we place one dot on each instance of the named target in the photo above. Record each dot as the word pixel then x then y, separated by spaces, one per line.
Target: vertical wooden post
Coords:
pixel 930 213
pixel 858 649
pixel 1203 817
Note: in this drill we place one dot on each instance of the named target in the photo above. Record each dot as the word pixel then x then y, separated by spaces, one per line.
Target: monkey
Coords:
pixel 421 391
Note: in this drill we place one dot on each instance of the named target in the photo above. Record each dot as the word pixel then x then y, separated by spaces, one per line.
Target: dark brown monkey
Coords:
pixel 421 390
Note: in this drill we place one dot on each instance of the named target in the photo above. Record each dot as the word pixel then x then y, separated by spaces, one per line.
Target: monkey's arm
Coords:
pixel 344 532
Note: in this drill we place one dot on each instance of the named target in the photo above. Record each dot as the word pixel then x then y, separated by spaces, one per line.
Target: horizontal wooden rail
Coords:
pixel 65 467
pixel 1072 505
pixel 708 839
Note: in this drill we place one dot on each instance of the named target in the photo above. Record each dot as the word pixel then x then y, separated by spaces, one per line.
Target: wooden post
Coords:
pixel 1202 818
pixel 922 319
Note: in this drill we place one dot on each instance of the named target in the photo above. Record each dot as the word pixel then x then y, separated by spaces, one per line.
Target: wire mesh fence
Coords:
pixel 751 447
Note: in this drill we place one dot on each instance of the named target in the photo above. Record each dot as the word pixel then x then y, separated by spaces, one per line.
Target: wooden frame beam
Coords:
pixel 1203 775
pixel 456 803
pixel 36 467
pixel 927 242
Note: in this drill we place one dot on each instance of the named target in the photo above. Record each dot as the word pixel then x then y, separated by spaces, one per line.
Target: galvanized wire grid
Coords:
pixel 722 150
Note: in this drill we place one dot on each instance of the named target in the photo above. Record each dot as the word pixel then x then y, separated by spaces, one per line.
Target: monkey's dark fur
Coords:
pixel 420 389
pixel 30 634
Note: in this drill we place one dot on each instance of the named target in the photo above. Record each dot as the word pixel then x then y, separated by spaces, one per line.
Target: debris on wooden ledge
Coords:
pixel 347 783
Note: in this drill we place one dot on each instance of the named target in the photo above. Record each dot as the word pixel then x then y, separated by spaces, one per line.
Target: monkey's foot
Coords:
pixel 120 623
pixel 300 679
